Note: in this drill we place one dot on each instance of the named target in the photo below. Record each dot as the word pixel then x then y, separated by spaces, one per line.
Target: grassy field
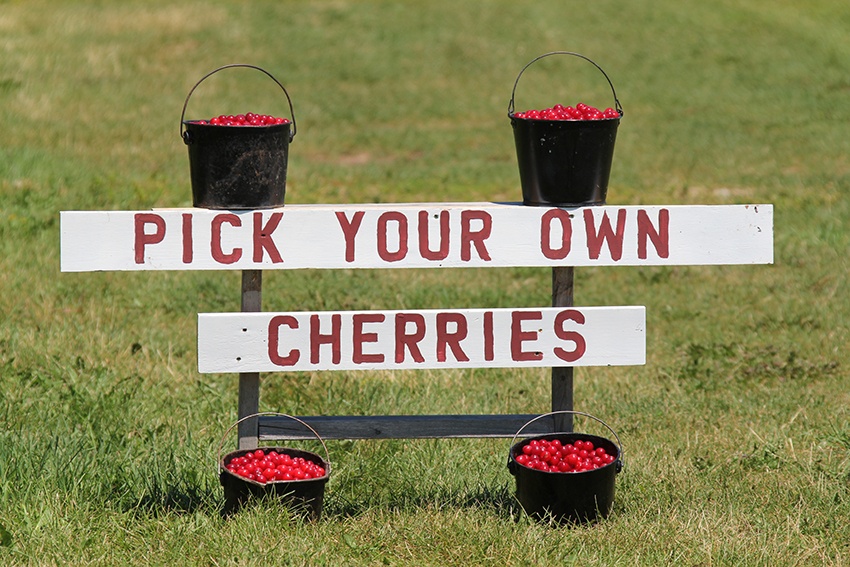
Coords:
pixel 736 431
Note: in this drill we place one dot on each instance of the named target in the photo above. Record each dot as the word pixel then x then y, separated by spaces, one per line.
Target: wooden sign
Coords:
pixel 427 235
pixel 442 338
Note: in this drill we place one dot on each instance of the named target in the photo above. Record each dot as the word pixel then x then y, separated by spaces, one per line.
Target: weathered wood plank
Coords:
pixel 421 339
pixel 403 426
pixel 415 235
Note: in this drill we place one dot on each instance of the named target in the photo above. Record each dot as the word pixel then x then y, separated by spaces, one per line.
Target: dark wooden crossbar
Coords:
pixel 402 426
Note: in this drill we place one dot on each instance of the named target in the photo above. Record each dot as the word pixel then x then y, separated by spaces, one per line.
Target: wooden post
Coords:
pixel 249 382
pixel 562 377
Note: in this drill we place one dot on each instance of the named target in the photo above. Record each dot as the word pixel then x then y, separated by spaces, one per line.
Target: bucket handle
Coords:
pixel 270 413
pixel 571 412
pixel 184 134
pixel 618 107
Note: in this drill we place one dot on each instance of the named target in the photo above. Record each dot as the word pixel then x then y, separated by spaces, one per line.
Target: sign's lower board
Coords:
pixel 421 339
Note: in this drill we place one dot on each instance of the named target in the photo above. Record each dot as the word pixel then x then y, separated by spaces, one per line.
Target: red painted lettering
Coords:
pixel 215 240
pixel 263 237
pixel 349 231
pixel 660 237
pixel 518 336
pixel 595 238
pixel 424 249
pixel 383 228
pixel 562 217
pixel 489 353
pixel 274 340
pixel 562 333
pixel 360 337
pixel 446 339
pixel 470 238
pixel 317 339
pixel 143 238
pixel 410 341
pixel 188 251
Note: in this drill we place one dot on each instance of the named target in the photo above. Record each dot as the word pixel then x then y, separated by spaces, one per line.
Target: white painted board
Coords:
pixel 420 339
pixel 425 235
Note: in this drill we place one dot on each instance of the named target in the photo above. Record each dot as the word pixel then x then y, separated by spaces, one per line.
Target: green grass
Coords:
pixel 736 431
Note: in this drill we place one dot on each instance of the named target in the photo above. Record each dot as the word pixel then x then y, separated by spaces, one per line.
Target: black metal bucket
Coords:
pixel 305 497
pixel 564 162
pixel 567 497
pixel 237 167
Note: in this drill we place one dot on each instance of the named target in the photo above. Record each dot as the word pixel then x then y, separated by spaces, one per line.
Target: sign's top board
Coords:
pixel 424 235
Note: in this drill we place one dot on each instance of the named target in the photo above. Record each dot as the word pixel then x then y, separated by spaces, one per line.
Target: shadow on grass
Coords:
pixel 177 500
pixel 498 499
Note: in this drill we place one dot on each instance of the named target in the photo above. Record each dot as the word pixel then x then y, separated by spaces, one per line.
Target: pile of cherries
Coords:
pixel 551 455
pixel 270 466
pixel 580 111
pixel 247 119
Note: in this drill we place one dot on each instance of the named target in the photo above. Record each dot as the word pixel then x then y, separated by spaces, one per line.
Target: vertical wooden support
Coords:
pixel 249 382
pixel 562 377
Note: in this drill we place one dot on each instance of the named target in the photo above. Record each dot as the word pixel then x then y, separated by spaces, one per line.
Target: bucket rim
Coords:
pixel 615 463
pixel 618 107
pixel 199 123
pixel 572 121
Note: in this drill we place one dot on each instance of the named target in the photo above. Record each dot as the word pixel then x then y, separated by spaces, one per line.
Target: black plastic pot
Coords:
pixel 567 497
pixel 302 496
pixel 305 497
pixel 237 167
pixel 564 162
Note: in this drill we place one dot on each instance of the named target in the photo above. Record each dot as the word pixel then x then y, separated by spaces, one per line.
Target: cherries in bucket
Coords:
pixel 270 466
pixel 238 161
pixel 565 153
pixel 551 455
pixel 295 477
pixel 580 111
pixel 566 477
pixel 247 119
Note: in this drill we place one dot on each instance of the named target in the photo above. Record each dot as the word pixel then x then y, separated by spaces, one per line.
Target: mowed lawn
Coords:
pixel 735 432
